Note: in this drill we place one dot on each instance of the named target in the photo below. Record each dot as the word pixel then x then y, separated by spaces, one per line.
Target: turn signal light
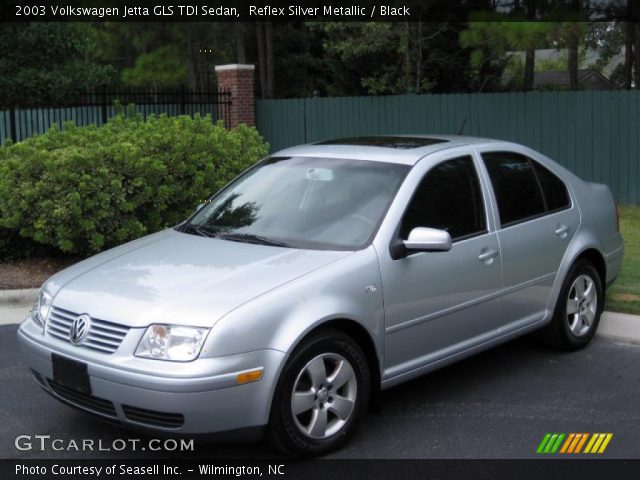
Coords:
pixel 248 377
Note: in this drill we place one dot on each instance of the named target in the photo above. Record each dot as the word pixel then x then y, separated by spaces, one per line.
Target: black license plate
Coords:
pixel 70 373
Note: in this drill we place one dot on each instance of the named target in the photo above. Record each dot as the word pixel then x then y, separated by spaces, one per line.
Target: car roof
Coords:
pixel 404 149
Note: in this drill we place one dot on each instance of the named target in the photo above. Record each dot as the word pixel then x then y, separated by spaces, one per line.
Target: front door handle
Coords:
pixel 561 230
pixel 487 255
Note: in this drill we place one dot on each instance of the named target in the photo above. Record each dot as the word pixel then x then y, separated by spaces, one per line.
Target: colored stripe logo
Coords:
pixel 574 443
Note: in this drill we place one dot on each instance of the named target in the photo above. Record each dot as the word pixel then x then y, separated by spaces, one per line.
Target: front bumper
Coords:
pixel 197 397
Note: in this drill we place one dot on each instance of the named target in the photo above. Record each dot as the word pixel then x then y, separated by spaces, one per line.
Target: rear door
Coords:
pixel 536 221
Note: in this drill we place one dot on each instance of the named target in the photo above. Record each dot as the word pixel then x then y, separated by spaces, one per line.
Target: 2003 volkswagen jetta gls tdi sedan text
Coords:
pixel 321 275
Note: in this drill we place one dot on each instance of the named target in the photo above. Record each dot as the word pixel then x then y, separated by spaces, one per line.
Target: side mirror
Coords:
pixel 423 239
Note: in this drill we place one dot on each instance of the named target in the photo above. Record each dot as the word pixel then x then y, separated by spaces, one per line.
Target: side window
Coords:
pixel 448 198
pixel 515 185
pixel 554 189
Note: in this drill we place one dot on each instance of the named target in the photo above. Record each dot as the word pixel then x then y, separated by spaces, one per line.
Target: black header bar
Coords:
pixel 315 10
pixel 320 469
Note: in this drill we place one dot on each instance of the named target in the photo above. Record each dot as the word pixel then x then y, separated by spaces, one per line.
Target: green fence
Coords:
pixel 594 134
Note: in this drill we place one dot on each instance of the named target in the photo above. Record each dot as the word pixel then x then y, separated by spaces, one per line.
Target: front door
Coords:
pixel 440 303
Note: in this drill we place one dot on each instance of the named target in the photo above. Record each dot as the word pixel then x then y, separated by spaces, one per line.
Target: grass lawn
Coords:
pixel 624 295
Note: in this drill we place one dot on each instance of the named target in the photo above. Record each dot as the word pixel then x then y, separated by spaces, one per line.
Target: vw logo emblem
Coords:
pixel 79 329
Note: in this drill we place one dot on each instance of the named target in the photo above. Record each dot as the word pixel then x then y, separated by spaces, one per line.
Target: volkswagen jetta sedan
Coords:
pixel 322 275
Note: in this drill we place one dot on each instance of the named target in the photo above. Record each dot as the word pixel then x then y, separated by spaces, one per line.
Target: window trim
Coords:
pixel 461 238
pixel 535 162
pixel 546 212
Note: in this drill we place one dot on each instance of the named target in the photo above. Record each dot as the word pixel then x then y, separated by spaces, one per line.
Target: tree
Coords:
pixel 48 62
pixel 632 45
pixel 268 35
pixel 489 44
pixel 238 37
pixel 163 67
pixel 299 61
pixel 609 39
pixel 617 31
pixel 570 35
pixel 266 58
pixel 629 40
pixel 262 58
pixel 167 54
pixel 495 42
pixel 530 47
pixel 397 57
pixel 637 57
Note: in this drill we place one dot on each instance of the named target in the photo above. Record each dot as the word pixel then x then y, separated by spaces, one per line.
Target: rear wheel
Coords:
pixel 322 394
pixel 578 309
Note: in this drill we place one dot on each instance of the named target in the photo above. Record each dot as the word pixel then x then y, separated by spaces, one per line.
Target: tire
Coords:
pixel 578 309
pixel 340 393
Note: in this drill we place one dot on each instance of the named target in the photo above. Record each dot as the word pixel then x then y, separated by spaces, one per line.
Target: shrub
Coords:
pixel 15 247
pixel 85 189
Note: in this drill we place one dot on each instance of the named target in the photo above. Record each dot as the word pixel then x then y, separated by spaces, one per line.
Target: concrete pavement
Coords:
pixel 18 297
pixel 517 391
pixel 620 327
pixel 13 314
pixel 498 404
pixel 15 304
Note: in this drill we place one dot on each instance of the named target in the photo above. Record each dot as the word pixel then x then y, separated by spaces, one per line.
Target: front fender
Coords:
pixel 280 318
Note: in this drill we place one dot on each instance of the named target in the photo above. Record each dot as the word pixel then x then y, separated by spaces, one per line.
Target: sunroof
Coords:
pixel 385 141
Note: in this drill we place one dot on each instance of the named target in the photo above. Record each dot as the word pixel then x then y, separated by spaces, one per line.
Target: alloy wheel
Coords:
pixel 582 305
pixel 324 395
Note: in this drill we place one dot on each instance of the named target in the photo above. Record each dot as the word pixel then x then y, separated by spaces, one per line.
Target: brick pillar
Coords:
pixel 238 80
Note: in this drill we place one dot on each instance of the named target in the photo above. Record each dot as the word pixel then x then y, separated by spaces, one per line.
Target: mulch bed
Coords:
pixel 31 273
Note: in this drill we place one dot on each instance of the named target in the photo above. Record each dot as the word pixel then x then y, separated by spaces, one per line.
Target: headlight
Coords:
pixel 40 310
pixel 171 342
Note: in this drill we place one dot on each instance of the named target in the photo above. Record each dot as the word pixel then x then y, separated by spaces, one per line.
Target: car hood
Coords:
pixel 173 277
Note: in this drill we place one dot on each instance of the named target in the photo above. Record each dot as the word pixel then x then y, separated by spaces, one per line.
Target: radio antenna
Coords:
pixel 464 122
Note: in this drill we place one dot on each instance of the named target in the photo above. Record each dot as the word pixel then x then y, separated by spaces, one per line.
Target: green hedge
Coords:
pixel 84 189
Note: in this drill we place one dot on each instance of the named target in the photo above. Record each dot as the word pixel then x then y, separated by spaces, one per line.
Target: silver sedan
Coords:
pixel 320 276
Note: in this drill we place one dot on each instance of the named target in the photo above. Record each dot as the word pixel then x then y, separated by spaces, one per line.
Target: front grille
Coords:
pixel 150 417
pixel 83 400
pixel 103 336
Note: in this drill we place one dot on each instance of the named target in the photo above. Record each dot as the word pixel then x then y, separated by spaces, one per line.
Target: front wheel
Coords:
pixel 322 394
pixel 578 309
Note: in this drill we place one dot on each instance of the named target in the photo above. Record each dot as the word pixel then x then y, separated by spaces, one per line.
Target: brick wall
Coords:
pixel 238 79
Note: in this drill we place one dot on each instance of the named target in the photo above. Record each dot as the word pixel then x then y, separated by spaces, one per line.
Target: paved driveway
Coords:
pixel 496 405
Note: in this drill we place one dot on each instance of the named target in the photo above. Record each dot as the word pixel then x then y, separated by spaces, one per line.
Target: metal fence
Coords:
pixel 594 134
pixel 18 123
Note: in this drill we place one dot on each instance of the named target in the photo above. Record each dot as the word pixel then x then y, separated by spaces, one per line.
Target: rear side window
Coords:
pixel 524 189
pixel 515 185
pixel 554 189
pixel 448 198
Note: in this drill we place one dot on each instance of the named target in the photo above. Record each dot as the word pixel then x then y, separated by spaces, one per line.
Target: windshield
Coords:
pixel 312 203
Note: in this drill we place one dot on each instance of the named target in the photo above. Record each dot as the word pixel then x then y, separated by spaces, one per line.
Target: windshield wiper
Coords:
pixel 234 237
pixel 250 238
pixel 190 228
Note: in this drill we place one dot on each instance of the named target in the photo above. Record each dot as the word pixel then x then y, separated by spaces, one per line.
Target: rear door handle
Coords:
pixel 488 255
pixel 562 230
